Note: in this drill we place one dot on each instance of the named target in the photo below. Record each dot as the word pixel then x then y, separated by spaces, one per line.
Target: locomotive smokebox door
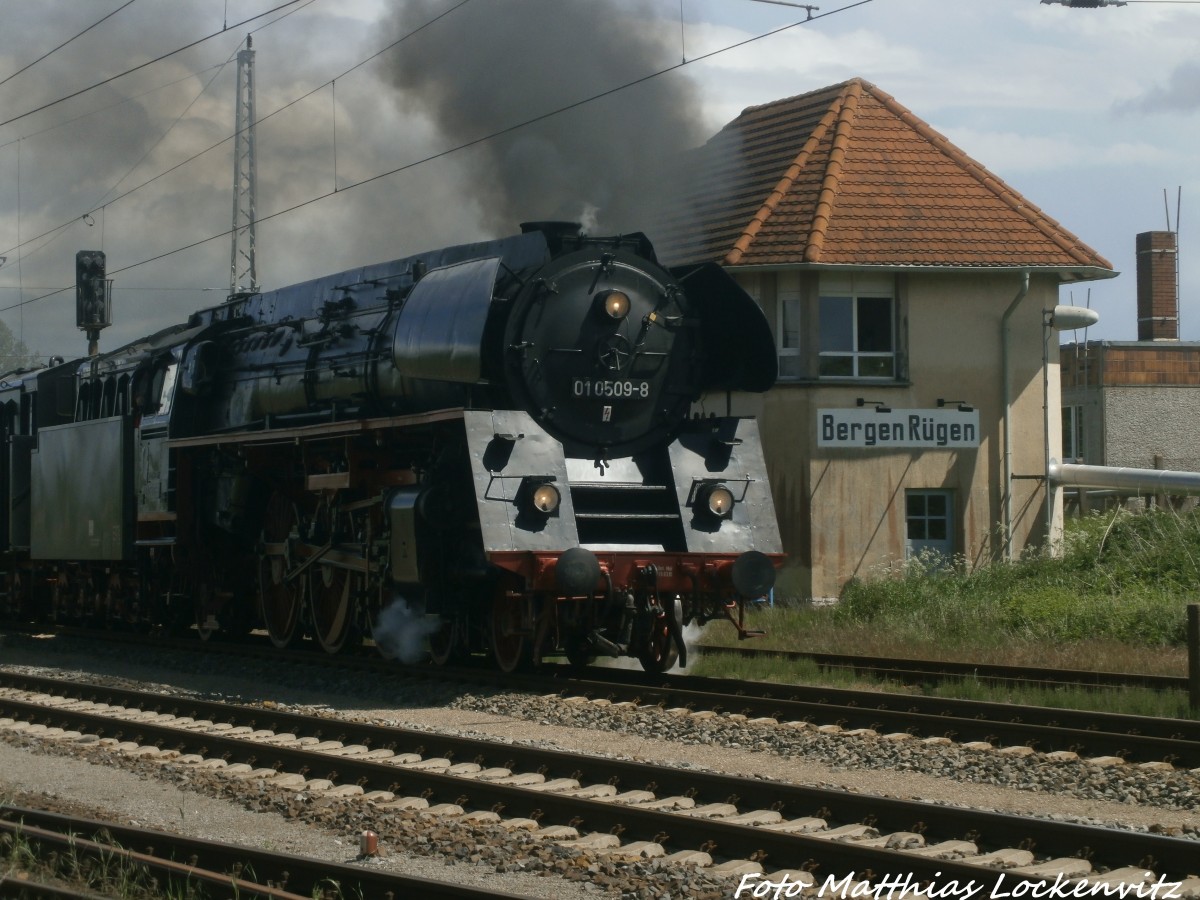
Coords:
pixel 93 299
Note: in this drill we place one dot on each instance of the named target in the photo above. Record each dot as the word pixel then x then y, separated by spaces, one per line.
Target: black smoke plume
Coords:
pixel 490 65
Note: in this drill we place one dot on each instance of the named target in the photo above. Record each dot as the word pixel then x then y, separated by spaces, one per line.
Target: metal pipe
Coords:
pixel 1060 318
pixel 1150 481
pixel 1006 487
pixel 1047 330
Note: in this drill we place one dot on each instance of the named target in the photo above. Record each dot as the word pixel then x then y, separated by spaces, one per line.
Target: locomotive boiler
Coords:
pixel 496 438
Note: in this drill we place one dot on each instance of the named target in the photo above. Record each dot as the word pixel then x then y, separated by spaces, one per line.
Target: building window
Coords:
pixel 1072 433
pixel 787 325
pixel 858 336
pixel 929 520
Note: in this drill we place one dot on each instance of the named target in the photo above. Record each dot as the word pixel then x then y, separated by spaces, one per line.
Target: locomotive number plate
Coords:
pixel 603 387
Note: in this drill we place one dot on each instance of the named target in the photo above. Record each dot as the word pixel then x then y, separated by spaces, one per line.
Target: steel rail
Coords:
pixel 1087 732
pixel 103 852
pixel 249 870
pixel 37 890
pixel 736 841
pixel 928 670
pixel 996 830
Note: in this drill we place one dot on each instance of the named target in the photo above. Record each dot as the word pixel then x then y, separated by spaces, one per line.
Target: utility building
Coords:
pixel 910 289
pixel 1135 403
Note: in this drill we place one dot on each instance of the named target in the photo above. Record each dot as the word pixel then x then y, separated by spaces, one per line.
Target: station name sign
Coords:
pixel 898 428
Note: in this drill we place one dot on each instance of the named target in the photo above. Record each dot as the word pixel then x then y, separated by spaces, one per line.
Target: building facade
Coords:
pixel 908 288
pixel 1135 403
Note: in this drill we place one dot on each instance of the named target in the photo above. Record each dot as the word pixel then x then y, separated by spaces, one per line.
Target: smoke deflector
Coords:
pixel 440 331
pixel 739 349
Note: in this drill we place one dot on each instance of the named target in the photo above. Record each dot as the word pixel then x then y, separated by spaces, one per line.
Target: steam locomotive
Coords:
pixel 495 439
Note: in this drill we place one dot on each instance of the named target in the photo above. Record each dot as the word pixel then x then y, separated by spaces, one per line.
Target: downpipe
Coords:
pixel 1006 389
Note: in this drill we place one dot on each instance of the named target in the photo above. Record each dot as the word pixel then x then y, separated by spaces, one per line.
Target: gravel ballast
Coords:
pixel 1121 796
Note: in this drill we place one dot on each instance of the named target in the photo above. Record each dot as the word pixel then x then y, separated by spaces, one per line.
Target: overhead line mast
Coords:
pixel 243 276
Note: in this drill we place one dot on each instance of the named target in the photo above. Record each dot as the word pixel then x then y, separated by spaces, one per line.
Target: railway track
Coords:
pixel 924 671
pixel 735 826
pixel 1086 733
pixel 172 862
pixel 898 669
pixel 1106 736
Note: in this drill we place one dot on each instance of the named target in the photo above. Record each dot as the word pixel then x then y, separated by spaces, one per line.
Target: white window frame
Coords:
pixel 788 294
pixel 1074 443
pixel 852 289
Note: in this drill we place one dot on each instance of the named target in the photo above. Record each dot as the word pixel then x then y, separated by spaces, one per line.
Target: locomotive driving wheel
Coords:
pixel 206 605
pixel 333 598
pixel 447 645
pixel 280 598
pixel 511 644
pixel 659 653
pixel 207 623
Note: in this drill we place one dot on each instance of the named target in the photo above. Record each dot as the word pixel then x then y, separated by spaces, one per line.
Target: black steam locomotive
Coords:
pixel 495 439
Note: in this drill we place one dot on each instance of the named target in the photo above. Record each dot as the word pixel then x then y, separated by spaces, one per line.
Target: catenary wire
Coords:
pixel 226 140
pixel 102 203
pixel 122 102
pixel 144 65
pixel 29 66
pixel 58 231
pixel 443 153
pixel 114 105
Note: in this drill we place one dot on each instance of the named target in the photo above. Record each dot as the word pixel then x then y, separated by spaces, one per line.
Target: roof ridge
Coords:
pixel 1015 201
pixel 784 185
pixel 841 87
pixel 833 171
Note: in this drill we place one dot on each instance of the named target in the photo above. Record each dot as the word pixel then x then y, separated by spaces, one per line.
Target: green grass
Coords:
pixel 1114 601
pixel 108 875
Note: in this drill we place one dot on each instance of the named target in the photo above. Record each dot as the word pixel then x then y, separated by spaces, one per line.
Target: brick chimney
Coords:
pixel 1157 297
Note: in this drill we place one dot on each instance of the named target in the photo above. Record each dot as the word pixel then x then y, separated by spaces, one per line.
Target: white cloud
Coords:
pixel 1012 151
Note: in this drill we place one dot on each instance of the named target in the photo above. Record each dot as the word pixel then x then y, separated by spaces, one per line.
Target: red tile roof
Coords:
pixel 847 176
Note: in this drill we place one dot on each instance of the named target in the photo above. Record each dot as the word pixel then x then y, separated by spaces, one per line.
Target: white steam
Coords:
pixel 588 218
pixel 400 632
pixel 692 633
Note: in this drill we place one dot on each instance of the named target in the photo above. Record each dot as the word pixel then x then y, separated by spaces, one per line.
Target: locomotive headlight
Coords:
pixel 537 500
pixel 720 501
pixel 716 500
pixel 545 498
pixel 616 304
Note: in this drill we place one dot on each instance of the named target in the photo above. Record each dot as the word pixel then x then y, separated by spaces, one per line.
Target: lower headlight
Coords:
pixel 720 501
pixel 545 498
pixel 716 500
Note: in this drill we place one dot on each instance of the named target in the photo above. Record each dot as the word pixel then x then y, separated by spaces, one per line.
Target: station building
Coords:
pixel 908 288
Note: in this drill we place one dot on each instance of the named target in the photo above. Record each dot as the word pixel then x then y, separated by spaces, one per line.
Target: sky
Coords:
pixel 454 134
